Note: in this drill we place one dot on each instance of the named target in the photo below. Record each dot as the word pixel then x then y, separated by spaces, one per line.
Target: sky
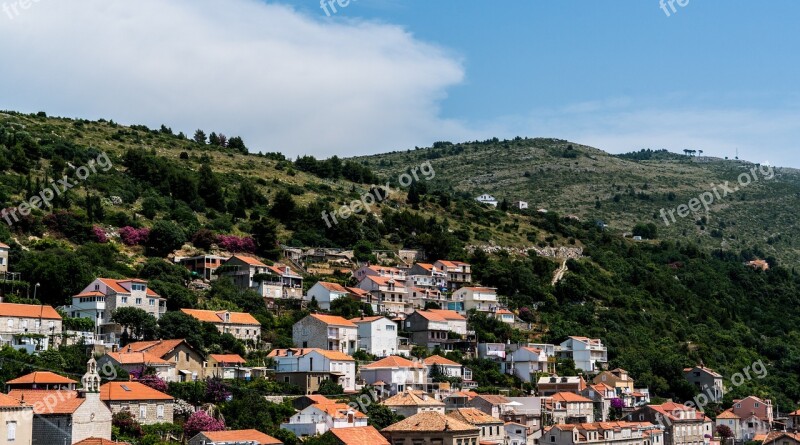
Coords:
pixel 382 75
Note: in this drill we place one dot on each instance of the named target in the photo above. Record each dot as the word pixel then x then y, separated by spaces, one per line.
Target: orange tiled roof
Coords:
pixel 448 314
pixel 431 316
pixel 393 361
pixel 357 291
pixel 41 377
pixel 333 320
pixel 249 260
pixel 138 358
pixel 360 435
pixel 28 311
pixel 235 436
pixel 319 399
pixel 492 399
pixel 426 266
pixel 66 402
pixel 439 360
pixel 408 398
pixel 99 441
pixel 473 416
pixel 383 281
pixel 228 358
pixel 299 352
pixel 123 391
pixel 93 293
pixel 569 397
pixel 114 285
pixel 242 318
pixel 338 410
pixel 367 319
pixel 333 287
pixel 4 246
pixel 10 402
pixel 727 414
pixel 430 421
pixel 158 348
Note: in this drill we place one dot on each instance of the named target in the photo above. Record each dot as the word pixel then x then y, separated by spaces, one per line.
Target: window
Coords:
pixel 142 412
pixel 11 323
pixel 11 428
pixel 552 438
pixel 160 411
pixel 124 300
pixel 152 302
pixel 757 405
pixel 39 323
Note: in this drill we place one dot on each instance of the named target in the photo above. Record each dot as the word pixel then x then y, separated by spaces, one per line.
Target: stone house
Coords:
pixel 431 428
pixel 329 332
pixel 146 405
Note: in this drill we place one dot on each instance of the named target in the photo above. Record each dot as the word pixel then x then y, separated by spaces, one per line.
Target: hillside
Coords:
pixel 623 191
pixel 659 305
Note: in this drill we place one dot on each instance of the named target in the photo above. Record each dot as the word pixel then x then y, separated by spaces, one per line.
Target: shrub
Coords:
pixel 235 244
pixel 134 237
pixel 201 421
pixel 99 234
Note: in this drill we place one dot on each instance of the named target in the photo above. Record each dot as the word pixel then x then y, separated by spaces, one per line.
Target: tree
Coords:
pixel 158 269
pixel 201 421
pixel 178 297
pixel 179 325
pixel 380 416
pixel 350 308
pixel 200 137
pixel 237 144
pixel 165 237
pixel 283 208
pixel 265 234
pixel 724 431
pixel 209 187
pixel 646 231
pixel 142 324
pixel 330 388
pixel 127 426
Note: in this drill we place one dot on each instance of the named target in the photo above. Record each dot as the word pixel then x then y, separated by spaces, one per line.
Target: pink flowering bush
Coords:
pixel 201 421
pixel 133 237
pixel 153 381
pixel 234 243
pixel 99 234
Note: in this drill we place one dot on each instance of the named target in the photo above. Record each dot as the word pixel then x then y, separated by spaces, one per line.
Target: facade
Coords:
pixel 15 421
pixel 427 275
pixel 145 404
pixel 516 434
pixel 525 363
pixel 683 425
pixel 431 330
pixel 458 273
pixel 487 199
pixel 233 437
pixel 567 407
pixel 387 294
pixel 521 205
pixel 617 379
pixel 319 418
pixel 706 381
pixel 227 367
pixel 329 332
pixel 30 328
pixel 489 404
pixel 133 362
pixel 188 362
pixel 4 248
pixel 309 367
pixel 203 266
pixel 409 403
pixel 547 386
pixel 491 429
pixel 444 366
pixel 241 325
pixel 605 433
pixel 431 428
pixel 589 354
pixel 103 296
pixel 380 271
pixel 377 335
pixel 505 316
pixel 271 282
pixel 732 421
pixel 481 299
pixel 325 293
pixel 601 396
pixel 397 374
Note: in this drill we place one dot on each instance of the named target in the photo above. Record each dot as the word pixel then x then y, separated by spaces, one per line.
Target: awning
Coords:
pixel 185 372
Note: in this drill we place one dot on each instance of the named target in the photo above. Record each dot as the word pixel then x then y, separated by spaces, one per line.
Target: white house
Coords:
pixel 604 433
pixel 455 321
pixel 482 299
pixel 379 271
pixel 4 248
pixel 589 354
pixel 445 366
pixel 271 282
pixel 567 407
pixel 522 205
pixel 487 199
pixel 505 316
pixel 395 374
pixel 376 335
pixel 103 296
pixel 525 362
pixel 329 332
pixel 325 293
pixel 29 327
pixel 387 294
pixel 409 403
pixel 302 362
pixel 318 419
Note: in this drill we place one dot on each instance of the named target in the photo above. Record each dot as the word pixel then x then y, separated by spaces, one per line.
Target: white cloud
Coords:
pixel 281 79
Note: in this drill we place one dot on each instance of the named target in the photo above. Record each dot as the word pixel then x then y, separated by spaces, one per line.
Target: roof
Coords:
pixel 480 289
pixel 367 319
pixel 452 263
pixel 318 398
pixel 4 246
pixel 439 360
pixel 123 391
pixel 93 293
pixel 669 408
pixel 357 291
pixel 219 316
pixel 10 402
pixel 727 414
pixel 333 320
pixel 66 402
pixel 359 435
pixel 158 348
pixel 113 285
pixel 393 361
pixel 536 351
pixel 569 397
pixel 138 358
pixel 333 287
pixel 408 398
pixel 493 399
pixel 28 311
pixel 382 281
pixel 99 441
pixel 228 358
pixel 430 316
pixel 426 266
pixel 704 369
pixel 240 436
pixel 299 352
pixel 41 377
pixel 473 416
pixel 448 314
pixel 430 421
pixel 338 410
pixel 252 261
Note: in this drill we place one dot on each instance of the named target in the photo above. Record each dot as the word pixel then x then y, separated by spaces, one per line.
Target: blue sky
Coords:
pixel 382 75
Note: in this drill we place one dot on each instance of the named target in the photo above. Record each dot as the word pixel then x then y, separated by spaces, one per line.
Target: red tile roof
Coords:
pixel 235 436
pixel 360 435
pixel 10 402
pixel 228 358
pixel 448 314
pixel 46 402
pixel 299 352
pixel 114 285
pixel 42 378
pixel 393 361
pixel 99 441
pixel 333 287
pixel 158 348
pixel 430 421
pixel 28 311
pixel 473 416
pixel 138 358
pixel 367 319
pixel 569 397
pixel 219 317
pixel 439 360
pixel 126 391
pixel 249 260
pixel 4 246
pixel 333 320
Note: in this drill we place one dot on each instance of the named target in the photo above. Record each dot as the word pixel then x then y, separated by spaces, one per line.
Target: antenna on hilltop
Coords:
pixel 737 154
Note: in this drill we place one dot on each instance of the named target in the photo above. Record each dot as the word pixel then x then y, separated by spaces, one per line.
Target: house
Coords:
pixel 516 434
pixel 271 282
pixel 487 199
pixel 44 380
pixel 567 407
pixel 427 275
pixel 492 351
pixel 387 294
pixel 781 438
pixel 241 325
pixel 458 273
pixel 227 367
pixel 525 411
pixel 397 374
pixel 203 266
pixel 683 425
pixel 794 420
pixel 379 271
pixel 15 416
pixel 521 205
pixel 29 327
pixel 361 435
pixel 604 433
pixel 492 429
pixel 455 321
pixel 409 403
pixel 99 441
pixel 147 405
pixel 431 428
pixel 601 396
pixel 320 418
pixel 732 421
pixel 706 381
pixel 303 402
pixel 377 335
pixel 67 416
pixel 490 404
pixel 547 386
pixel 589 354
pixel 133 362
pixel 309 367
pixel 422 297
pixel 103 296
pixel 329 332
pixel 188 362
pixel 755 414
pixel 617 379
pixel 443 366
pixel 431 330
pixel 4 249
pixel 233 437
pixel 458 399
pixel 505 316
pixel 325 293
pixel 525 363
pixel 481 299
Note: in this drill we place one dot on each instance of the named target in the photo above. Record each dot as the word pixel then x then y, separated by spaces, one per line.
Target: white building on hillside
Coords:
pixel 377 335
pixel 487 199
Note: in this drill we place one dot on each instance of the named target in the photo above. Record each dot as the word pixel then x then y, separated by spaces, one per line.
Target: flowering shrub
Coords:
pixel 216 391
pixel 183 408
pixel 134 237
pixel 200 421
pixel 99 234
pixel 234 243
pixel 617 403
pixel 153 381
